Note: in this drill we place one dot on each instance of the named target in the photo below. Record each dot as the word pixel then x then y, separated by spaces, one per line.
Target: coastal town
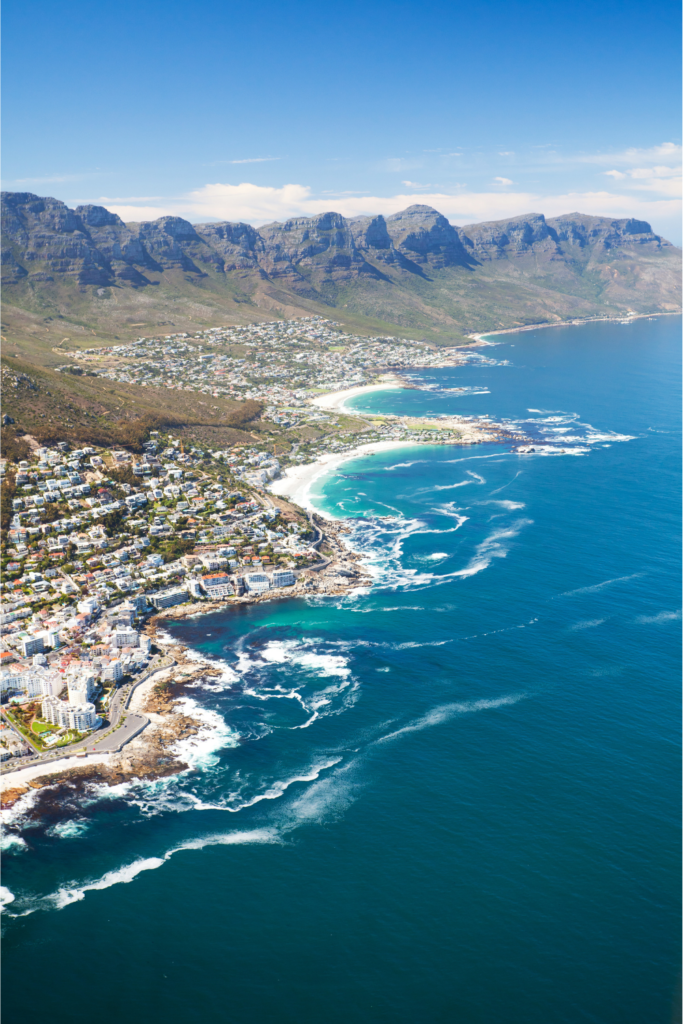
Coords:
pixel 100 544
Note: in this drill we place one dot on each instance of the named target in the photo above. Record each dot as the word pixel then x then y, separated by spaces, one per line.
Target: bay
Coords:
pixel 452 796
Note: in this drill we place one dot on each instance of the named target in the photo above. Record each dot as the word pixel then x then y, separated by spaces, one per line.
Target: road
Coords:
pixel 112 738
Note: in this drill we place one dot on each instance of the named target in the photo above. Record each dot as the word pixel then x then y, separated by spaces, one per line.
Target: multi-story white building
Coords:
pixel 125 637
pixel 49 710
pixel 218 586
pixel 213 562
pixel 31 645
pixel 167 598
pixel 81 686
pixel 283 578
pixel 256 582
pixel 81 717
pixel 112 672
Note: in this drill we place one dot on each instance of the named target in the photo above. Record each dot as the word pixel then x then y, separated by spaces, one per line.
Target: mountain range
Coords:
pixel 412 273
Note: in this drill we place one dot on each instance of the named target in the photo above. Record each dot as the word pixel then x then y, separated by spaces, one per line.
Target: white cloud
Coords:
pixel 255 160
pixel 669 151
pixel 137 213
pixel 662 179
pixel 259 204
pixel 503 181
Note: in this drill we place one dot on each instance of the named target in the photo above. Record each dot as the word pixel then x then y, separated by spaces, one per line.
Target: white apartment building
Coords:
pixel 31 645
pixel 283 578
pixel 125 637
pixel 256 582
pixel 112 672
pixel 81 717
pixel 218 586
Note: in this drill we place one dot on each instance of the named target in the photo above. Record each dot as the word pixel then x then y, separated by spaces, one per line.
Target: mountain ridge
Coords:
pixel 412 270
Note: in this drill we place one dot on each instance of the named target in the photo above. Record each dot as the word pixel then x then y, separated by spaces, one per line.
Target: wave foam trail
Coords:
pixel 447 711
pixel 381 545
pixel 600 586
pixel 660 617
pixel 326 798
pixel 510 506
pixel 476 479
pixel 65 896
pixel 555 427
pixel 490 548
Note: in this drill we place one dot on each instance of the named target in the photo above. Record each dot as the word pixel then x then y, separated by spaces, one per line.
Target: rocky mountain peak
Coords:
pixel 98 217
pixel 315 257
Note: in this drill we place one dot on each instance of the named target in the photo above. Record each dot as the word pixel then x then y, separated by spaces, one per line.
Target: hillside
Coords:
pixel 76 275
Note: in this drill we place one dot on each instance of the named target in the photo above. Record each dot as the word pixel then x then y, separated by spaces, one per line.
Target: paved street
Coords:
pixel 111 738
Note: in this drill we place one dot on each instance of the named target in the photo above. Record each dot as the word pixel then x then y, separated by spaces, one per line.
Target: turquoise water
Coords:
pixel 453 797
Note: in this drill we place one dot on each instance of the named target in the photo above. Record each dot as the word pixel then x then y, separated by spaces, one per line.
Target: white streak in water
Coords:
pixel 600 586
pixel 660 617
pixel 447 711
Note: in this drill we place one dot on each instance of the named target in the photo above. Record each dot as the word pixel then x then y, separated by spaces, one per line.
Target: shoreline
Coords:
pixel 296 484
pixel 337 574
pixel 335 401
pixel 625 318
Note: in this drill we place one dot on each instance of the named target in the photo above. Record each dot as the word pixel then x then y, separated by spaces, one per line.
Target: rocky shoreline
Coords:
pixel 151 755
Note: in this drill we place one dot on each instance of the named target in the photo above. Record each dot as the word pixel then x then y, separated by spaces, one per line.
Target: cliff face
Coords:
pixel 377 263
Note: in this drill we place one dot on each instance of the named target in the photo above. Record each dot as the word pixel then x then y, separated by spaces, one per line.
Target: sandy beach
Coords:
pixel 297 482
pixel 336 399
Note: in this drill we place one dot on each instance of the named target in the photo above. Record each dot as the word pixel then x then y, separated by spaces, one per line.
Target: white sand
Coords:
pixel 336 399
pixel 20 778
pixel 299 479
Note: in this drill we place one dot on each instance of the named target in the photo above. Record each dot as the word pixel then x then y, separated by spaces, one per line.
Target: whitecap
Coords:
pixel 69 829
pixel 199 750
pixel 6 896
pixel 599 586
pixel 510 506
pixel 446 712
pixel 660 617
pixel 12 843
pixel 67 895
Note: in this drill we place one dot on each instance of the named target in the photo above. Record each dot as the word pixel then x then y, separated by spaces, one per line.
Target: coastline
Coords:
pixel 336 400
pixel 147 755
pixel 296 484
pixel 626 318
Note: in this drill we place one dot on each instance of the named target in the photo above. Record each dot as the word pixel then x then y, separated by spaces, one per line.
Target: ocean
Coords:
pixel 450 797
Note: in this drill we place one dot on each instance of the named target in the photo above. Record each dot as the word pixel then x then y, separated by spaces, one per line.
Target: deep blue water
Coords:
pixel 451 798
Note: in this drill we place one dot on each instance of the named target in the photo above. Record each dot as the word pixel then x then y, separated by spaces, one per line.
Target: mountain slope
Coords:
pixel 413 272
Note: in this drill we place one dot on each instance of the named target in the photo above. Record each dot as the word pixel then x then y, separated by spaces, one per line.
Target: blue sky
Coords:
pixel 259 112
